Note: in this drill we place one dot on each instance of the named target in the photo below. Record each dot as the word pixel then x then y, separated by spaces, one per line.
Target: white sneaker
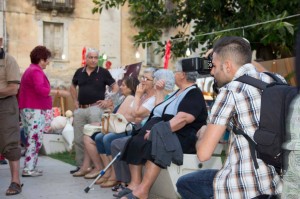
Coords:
pixel 32 173
pixel 38 170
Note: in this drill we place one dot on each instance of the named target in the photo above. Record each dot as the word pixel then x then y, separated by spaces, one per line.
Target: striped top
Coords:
pixel 239 104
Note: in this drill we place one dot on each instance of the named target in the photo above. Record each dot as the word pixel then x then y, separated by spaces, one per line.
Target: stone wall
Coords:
pixel 112 34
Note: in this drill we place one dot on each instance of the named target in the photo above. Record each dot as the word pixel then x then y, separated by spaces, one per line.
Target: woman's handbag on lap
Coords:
pixel 90 129
pixel 114 123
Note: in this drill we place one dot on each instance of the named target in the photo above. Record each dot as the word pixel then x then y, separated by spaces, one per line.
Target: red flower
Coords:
pixel 167 54
pixel 83 59
pixel 108 65
pixel 35 137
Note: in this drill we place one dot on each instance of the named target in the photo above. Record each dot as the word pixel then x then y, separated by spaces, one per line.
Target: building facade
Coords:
pixel 66 27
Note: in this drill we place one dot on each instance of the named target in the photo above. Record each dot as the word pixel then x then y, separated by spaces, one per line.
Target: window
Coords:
pixel 53 38
pixel 60 1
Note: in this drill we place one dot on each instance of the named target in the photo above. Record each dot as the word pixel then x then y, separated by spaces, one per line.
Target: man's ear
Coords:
pixel 227 66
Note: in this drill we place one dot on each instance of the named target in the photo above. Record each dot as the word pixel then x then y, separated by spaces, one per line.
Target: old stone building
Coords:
pixel 65 27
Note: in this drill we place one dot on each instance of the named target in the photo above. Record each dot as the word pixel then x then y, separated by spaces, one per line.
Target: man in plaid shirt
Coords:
pixel 237 104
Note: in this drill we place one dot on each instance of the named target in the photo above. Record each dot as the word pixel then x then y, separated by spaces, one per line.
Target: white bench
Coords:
pixel 165 184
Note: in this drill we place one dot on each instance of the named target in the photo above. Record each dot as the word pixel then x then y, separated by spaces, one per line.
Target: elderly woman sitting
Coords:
pixel 181 115
pixel 163 81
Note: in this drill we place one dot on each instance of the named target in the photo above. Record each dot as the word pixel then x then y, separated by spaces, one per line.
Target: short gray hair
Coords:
pixel 190 76
pixel 91 50
pixel 168 76
pixel 150 70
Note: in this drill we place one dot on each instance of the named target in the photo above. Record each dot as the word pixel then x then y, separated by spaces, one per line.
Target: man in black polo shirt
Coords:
pixel 89 99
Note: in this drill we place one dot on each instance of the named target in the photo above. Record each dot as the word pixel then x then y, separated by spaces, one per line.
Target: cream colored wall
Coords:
pixel 82 28
pixel 24 28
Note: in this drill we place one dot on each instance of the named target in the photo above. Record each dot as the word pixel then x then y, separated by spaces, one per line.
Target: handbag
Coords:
pixel 90 129
pixel 114 123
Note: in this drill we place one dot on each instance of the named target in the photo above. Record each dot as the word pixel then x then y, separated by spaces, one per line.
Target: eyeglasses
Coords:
pixel 90 57
pixel 143 78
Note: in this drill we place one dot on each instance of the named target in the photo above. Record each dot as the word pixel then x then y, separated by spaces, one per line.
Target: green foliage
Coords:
pixel 272 40
pixel 67 157
pixel 289 76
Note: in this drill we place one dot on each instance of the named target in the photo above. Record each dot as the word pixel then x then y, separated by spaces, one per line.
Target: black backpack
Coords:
pixel 271 133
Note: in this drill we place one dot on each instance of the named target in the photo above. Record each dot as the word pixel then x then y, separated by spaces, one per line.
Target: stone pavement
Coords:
pixel 56 182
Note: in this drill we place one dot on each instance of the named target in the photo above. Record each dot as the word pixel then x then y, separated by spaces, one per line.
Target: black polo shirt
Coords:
pixel 92 88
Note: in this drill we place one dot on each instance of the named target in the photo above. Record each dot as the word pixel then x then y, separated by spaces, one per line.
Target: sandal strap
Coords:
pixel 14 188
pixel 115 188
pixel 122 193
pixel 15 185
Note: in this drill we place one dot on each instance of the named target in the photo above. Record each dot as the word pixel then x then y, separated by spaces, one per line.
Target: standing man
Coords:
pixel 89 102
pixel 237 104
pixel 9 118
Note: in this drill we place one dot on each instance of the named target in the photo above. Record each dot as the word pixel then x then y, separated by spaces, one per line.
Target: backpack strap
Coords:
pixel 260 85
pixel 251 142
pixel 252 81
pixel 274 77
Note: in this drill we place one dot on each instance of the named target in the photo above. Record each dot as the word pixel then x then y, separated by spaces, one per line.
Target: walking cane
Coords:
pixel 102 173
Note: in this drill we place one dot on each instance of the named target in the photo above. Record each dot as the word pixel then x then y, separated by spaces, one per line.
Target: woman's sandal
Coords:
pixel 119 187
pixel 101 180
pixel 122 193
pixel 131 196
pixel 14 189
pixel 109 183
pixel 115 188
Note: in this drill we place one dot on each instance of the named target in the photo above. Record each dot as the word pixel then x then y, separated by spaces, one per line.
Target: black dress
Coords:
pixel 138 150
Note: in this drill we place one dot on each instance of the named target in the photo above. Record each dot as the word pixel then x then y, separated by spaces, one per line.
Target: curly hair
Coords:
pixel 39 53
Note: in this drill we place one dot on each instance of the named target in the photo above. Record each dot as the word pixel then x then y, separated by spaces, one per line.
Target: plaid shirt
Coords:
pixel 239 104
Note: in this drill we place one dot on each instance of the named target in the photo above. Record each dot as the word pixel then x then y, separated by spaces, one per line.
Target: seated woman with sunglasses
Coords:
pixel 184 112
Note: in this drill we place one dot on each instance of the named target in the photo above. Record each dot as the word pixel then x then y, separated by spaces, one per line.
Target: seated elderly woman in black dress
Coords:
pixel 182 114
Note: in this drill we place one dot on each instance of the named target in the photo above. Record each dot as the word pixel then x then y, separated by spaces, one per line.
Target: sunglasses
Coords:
pixel 143 78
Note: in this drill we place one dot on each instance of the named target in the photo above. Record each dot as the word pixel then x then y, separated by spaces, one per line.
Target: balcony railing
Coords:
pixel 59 5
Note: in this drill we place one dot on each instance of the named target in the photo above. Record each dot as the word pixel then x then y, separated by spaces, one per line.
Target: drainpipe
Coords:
pixel 4 27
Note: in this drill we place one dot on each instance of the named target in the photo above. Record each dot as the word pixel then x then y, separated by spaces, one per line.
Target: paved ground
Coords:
pixel 56 182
